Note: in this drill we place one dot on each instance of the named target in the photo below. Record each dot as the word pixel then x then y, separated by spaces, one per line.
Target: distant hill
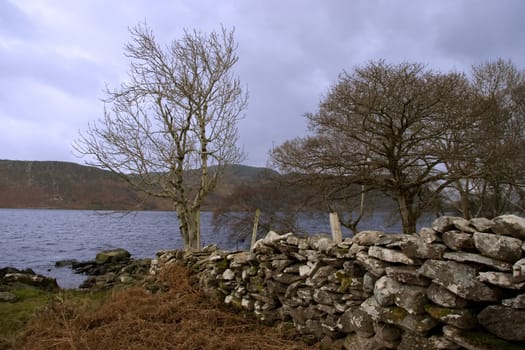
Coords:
pixel 63 185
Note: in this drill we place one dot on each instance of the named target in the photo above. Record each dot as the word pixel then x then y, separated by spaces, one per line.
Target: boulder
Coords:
pixel 464 225
pixel 429 235
pixel 517 303
pixel 500 279
pixel 477 340
pixel 417 248
pixel 390 255
pixel 460 279
pixel 498 247
pixel 444 223
pixel 482 224
pixel 478 259
pixel 518 270
pixel 368 238
pixel 459 241
pixel 375 266
pixel 510 225
pixel 505 322
pixel 29 278
pixel 112 256
pixel 413 299
pixel 407 275
pixel 356 342
pixel 7 297
pixel 441 296
pixel 461 318
pixel 386 289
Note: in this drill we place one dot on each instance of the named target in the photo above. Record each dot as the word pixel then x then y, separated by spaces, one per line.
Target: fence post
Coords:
pixel 255 227
pixel 335 226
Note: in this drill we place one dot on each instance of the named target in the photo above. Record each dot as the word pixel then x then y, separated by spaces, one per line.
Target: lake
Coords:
pixel 37 238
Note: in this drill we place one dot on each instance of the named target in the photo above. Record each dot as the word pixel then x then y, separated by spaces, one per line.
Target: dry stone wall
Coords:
pixel 457 285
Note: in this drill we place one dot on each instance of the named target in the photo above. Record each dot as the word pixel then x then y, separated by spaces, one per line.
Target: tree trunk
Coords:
pixel 408 216
pixel 189 225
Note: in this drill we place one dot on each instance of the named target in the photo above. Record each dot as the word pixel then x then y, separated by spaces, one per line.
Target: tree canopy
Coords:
pixel 177 112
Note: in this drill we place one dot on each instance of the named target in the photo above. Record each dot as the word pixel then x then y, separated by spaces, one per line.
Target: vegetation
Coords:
pixel 417 135
pixel 179 317
pixel 177 112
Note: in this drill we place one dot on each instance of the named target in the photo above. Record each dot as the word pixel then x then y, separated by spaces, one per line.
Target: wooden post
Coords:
pixel 335 226
pixel 255 227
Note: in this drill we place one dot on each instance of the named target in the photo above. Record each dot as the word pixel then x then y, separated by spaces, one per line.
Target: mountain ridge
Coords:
pixel 68 185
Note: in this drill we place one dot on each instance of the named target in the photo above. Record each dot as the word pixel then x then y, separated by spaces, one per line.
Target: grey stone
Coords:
pixel 504 322
pixel 369 282
pixel 386 289
pixel 320 276
pixel 367 238
pixel 387 335
pixel 391 239
pixel 498 247
pixel 444 223
pixel 372 265
pixel 412 323
pixel 302 314
pixel 356 342
pixel 518 270
pixel 324 297
pixel 112 256
pixel 372 308
pixel 359 321
pixel 228 275
pixel 413 299
pixel 279 265
pixel 477 340
pixel 305 270
pixel 510 225
pixel 443 297
pixel 500 279
pixel 414 247
pixel 240 258
pixel 459 241
pixel 460 279
pixel 464 225
pixel 429 235
pixel 390 255
pixel 411 341
pixel 407 275
pixel 478 259
pixel 482 224
pixel 7 297
pixel 286 278
pixel 461 318
pixel 271 237
pixel 517 303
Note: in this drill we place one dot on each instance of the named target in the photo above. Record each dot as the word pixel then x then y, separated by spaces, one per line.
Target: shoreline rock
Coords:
pixel 11 277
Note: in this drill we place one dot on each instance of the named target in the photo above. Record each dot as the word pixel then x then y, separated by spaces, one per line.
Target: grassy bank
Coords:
pixel 179 317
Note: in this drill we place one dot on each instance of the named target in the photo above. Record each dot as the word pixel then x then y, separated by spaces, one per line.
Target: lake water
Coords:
pixel 37 238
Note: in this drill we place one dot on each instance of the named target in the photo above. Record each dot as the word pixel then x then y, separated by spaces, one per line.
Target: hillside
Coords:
pixel 50 184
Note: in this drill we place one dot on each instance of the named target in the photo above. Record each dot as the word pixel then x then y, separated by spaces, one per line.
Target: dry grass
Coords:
pixel 181 318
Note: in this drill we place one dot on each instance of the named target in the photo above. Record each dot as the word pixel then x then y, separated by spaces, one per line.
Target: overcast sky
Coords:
pixel 57 55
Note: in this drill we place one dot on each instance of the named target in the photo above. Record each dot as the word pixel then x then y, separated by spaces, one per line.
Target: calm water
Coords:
pixel 37 238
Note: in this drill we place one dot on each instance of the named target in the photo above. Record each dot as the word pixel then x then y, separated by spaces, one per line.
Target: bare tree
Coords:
pixel 178 112
pixel 495 139
pixel 378 127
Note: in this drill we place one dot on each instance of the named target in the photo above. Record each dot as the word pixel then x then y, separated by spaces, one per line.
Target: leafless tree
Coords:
pixel 493 141
pixel 379 127
pixel 171 128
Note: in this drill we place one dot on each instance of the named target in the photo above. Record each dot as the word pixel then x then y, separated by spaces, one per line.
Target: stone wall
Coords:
pixel 457 285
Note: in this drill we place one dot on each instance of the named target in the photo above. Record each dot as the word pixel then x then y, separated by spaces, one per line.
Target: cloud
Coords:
pixel 55 57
